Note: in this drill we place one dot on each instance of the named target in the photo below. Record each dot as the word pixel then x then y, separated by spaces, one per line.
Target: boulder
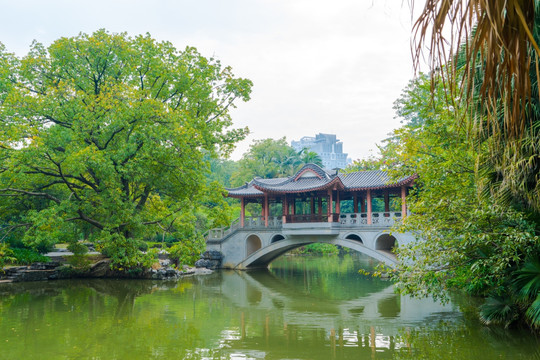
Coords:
pixel 101 269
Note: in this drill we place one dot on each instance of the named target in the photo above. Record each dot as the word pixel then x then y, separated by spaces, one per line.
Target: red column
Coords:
pixel 285 206
pixel 338 205
pixel 362 204
pixel 329 206
pixel 369 207
pixel 355 202
pixel 386 201
pixel 312 204
pixel 242 211
pixel 403 202
pixel 266 210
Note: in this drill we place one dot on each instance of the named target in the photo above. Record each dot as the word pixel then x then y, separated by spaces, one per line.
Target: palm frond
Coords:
pixel 496 38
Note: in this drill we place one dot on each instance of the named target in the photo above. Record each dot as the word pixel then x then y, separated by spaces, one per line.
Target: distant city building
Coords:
pixel 327 146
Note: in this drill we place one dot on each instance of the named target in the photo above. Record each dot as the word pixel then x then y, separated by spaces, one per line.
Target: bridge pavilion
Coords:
pixel 316 195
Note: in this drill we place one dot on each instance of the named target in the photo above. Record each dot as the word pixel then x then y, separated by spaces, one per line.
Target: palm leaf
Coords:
pixel 499 310
pixel 496 38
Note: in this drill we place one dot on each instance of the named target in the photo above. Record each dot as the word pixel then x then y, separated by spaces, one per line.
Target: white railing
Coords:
pixel 387 219
pixel 377 219
pixel 221 232
pixel 258 222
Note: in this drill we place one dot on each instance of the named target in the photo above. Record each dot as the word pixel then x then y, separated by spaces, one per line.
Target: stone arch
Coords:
pixel 266 255
pixel 354 237
pixel 253 243
pixel 276 238
pixel 386 242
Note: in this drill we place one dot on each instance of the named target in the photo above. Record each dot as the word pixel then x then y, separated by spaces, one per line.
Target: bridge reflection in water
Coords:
pixel 372 320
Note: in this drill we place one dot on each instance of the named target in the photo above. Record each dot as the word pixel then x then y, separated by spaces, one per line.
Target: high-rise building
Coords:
pixel 327 146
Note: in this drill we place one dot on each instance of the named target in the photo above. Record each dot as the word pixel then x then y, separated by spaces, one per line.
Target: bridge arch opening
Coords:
pixel 276 238
pixel 253 243
pixel 386 242
pixel 354 237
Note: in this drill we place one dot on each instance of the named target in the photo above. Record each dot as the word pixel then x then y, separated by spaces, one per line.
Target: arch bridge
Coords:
pixel 354 210
pixel 257 246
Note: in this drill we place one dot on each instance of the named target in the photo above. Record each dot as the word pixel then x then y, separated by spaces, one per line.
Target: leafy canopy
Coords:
pixel 104 137
pixel 468 242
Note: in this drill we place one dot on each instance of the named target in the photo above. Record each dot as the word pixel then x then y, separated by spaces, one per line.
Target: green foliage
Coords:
pixel 310 157
pixel 77 248
pixel 185 253
pixel 125 254
pixel 370 163
pixel 142 246
pixel 319 249
pixel 106 137
pixel 526 285
pixel 79 261
pixel 267 158
pixel 501 310
pixel 27 256
pixel 6 255
pixel 467 241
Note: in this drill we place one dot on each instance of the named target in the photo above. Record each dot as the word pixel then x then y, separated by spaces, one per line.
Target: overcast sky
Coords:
pixel 317 65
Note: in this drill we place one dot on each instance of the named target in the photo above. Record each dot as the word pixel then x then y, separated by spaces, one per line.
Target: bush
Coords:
pixel 320 249
pixel 44 247
pixel 78 260
pixel 6 255
pixel 41 247
pixel 28 256
pixel 143 246
pixel 77 248
pixel 180 253
pixel 125 254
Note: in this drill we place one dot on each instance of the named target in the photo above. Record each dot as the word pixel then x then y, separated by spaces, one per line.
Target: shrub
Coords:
pixel 125 254
pixel 143 246
pixel 77 248
pixel 78 260
pixel 6 255
pixel 28 256
pixel 320 249
pixel 180 253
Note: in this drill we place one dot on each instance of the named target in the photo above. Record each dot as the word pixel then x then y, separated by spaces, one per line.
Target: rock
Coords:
pixel 210 259
pixel 34 275
pixel 202 263
pixel 212 255
pixel 44 266
pixel 165 262
pixel 101 269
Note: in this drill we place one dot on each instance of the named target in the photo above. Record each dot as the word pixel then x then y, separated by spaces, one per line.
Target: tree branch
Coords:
pixel 30 193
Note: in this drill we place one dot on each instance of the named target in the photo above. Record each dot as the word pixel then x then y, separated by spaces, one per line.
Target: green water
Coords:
pixel 302 308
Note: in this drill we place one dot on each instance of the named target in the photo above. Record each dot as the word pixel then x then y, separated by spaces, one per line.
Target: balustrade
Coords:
pixel 386 219
pixel 258 222
pixel 377 218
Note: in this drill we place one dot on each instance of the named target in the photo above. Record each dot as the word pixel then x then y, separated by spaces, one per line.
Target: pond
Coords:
pixel 301 308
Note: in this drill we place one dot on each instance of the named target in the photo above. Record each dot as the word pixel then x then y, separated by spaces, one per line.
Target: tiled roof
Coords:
pixel 311 178
pixel 246 190
pixel 372 179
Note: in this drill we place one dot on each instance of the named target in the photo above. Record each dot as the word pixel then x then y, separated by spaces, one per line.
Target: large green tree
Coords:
pixel 466 241
pixel 104 136
pixel 267 158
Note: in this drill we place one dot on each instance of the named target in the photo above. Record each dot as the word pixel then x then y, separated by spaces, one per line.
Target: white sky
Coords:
pixel 317 65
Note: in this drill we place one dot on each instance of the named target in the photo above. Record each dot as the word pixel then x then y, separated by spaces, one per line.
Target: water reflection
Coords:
pixel 301 309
